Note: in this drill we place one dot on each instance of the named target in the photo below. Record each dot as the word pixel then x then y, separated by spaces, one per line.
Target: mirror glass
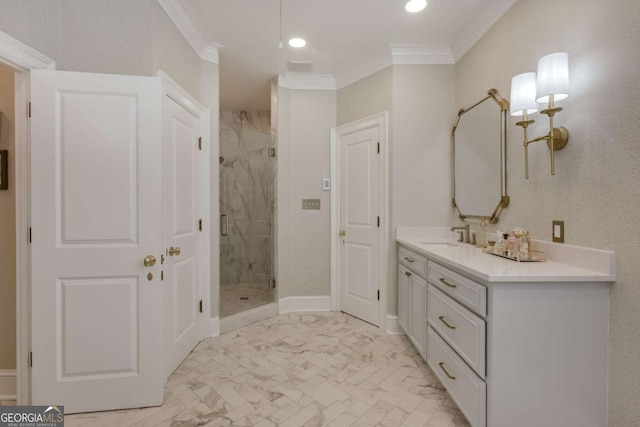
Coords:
pixel 479 159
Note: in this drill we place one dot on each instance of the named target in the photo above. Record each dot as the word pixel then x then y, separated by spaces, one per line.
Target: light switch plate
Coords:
pixel 558 231
pixel 311 204
pixel 326 184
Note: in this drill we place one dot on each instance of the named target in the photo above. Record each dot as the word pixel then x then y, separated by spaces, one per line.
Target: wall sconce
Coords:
pixel 549 86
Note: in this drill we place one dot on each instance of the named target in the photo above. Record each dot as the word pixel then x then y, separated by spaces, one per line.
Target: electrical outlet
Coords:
pixel 311 204
pixel 558 231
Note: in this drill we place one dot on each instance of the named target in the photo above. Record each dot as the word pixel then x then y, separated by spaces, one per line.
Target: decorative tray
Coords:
pixel 533 256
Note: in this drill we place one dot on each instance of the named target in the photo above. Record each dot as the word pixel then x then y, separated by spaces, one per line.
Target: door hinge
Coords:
pixel 161 275
pixel 378 222
pixel 30 359
pixel 200 306
pixel 29 109
pixel 200 143
pixel 29 234
pixel 272 283
pixel 200 224
pixel 272 151
pixel 378 294
pixel 378 148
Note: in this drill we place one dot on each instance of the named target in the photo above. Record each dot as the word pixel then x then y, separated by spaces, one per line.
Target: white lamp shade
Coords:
pixel 553 77
pixel 523 94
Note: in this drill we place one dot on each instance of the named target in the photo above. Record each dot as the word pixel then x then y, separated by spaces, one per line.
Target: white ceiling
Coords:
pixel 346 39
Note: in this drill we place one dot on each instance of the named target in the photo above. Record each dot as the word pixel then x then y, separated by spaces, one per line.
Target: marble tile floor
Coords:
pixel 294 370
pixel 231 294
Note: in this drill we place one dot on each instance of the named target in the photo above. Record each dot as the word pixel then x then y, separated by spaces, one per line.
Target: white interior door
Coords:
pixel 182 235
pixel 360 222
pixel 95 215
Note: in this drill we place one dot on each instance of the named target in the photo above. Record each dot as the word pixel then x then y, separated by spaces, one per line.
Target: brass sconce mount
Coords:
pixel 556 139
pixel 560 138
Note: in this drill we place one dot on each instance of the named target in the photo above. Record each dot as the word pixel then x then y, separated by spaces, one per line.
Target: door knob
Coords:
pixel 174 251
pixel 342 233
pixel 149 261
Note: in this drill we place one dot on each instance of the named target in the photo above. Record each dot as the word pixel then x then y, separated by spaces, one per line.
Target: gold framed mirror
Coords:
pixel 479 141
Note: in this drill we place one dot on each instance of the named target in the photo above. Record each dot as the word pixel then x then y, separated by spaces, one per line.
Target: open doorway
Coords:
pixel 7 237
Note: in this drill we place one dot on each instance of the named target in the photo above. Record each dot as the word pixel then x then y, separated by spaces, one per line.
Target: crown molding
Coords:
pixel 421 54
pixel 192 30
pixel 18 55
pixel 304 81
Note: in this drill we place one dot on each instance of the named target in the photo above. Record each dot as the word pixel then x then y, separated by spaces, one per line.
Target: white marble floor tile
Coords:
pixel 311 369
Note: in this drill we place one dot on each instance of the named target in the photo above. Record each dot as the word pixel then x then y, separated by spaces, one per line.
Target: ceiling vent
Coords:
pixel 300 66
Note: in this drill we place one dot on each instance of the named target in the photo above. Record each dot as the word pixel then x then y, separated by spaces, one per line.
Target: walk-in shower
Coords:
pixel 247 175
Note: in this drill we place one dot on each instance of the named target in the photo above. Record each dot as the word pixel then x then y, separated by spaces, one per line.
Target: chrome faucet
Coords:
pixel 464 231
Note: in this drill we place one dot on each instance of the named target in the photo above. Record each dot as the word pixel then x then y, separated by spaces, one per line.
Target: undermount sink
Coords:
pixel 440 244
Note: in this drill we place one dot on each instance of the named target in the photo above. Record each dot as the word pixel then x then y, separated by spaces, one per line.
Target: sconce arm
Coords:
pixel 546 137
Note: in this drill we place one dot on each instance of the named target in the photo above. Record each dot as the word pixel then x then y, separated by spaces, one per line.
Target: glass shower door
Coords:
pixel 246 208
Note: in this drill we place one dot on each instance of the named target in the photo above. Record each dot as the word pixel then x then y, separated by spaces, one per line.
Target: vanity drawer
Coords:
pixel 413 261
pixel 463 330
pixel 464 386
pixel 464 290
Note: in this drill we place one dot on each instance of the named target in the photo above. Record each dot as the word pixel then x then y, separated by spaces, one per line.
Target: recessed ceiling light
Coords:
pixel 414 6
pixel 298 42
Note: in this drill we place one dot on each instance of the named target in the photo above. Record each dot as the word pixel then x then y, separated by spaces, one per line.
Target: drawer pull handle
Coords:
pixel 451 377
pixel 447 283
pixel 446 323
pixel 409 259
pixel 408 274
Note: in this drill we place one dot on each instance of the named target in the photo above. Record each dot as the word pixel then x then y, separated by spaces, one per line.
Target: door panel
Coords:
pixel 358 264
pixel 113 320
pixel 89 216
pixel 95 214
pixel 359 210
pixel 182 209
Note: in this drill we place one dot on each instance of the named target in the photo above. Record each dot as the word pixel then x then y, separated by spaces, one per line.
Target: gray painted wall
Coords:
pixel 423 113
pixel 305 119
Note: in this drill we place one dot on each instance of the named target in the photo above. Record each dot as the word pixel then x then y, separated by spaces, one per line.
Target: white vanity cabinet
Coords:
pixel 515 344
pixel 412 298
pixel 456 340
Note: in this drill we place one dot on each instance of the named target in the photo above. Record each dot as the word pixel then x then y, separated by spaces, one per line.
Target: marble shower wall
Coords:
pixel 246 197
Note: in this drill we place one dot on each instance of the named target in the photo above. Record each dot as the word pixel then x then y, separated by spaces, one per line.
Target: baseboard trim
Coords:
pixel 8 384
pixel 245 318
pixel 303 304
pixel 392 326
pixel 212 328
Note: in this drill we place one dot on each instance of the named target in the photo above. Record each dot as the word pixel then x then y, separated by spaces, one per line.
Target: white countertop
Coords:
pixel 564 263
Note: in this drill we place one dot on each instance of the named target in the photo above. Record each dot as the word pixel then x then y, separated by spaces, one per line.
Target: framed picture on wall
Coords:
pixel 4 169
